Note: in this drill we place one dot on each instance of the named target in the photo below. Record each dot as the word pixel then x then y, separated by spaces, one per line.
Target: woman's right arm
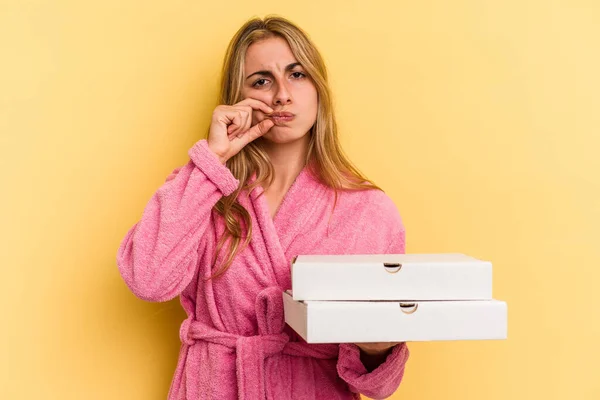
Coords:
pixel 158 256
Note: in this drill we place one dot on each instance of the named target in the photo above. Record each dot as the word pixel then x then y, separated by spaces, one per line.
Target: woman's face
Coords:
pixel 273 75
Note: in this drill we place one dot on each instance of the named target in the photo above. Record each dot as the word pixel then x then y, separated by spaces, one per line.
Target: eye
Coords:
pixel 258 83
pixel 255 84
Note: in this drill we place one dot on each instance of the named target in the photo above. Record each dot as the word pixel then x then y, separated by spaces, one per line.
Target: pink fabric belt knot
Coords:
pixel 251 351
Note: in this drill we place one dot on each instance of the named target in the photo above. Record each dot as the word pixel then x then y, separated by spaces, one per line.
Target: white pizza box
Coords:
pixel 450 276
pixel 392 321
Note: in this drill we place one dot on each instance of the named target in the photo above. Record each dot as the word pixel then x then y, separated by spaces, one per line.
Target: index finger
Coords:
pixel 256 104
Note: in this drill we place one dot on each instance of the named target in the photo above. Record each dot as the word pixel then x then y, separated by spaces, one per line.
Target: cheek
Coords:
pixel 312 101
pixel 263 96
pixel 312 97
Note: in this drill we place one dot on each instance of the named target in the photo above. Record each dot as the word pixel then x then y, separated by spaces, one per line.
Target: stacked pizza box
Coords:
pixel 393 298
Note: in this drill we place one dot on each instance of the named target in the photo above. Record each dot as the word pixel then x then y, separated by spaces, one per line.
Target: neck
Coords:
pixel 288 160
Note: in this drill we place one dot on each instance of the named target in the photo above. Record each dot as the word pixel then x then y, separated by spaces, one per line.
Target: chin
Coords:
pixel 283 135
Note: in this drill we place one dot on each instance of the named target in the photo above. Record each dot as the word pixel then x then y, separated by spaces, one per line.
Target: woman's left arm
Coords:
pixel 378 383
pixel 373 355
pixel 375 369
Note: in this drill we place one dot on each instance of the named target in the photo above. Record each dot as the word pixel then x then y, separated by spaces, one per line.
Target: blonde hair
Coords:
pixel 325 156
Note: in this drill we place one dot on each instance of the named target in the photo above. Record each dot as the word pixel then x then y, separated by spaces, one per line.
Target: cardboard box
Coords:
pixel 391 321
pixel 391 277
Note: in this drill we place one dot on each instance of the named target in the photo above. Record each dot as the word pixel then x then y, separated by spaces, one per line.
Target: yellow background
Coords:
pixel 480 118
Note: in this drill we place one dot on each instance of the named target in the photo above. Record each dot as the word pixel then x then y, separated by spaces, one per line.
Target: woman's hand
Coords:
pixel 375 349
pixel 231 128
pixel 374 354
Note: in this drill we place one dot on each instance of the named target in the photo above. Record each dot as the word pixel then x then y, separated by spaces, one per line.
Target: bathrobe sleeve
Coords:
pixel 383 381
pixel 158 256
pixel 380 383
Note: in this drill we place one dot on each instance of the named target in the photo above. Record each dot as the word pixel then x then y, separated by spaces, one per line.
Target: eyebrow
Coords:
pixel 268 73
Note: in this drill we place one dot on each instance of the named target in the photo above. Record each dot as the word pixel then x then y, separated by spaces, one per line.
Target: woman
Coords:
pixel 270 182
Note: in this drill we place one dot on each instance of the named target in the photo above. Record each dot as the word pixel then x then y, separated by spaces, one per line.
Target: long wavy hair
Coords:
pixel 325 157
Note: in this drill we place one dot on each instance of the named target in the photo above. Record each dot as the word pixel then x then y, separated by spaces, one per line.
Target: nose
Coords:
pixel 282 95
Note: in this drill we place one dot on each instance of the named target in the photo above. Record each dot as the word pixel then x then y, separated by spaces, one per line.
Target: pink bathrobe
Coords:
pixel 235 343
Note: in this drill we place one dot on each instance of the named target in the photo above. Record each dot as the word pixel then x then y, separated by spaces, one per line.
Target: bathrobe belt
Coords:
pixel 251 351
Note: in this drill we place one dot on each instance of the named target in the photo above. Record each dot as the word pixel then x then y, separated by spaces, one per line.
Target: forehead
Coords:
pixel 272 54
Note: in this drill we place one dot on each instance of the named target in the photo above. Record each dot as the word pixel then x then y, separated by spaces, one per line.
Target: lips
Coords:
pixel 281 117
pixel 279 114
